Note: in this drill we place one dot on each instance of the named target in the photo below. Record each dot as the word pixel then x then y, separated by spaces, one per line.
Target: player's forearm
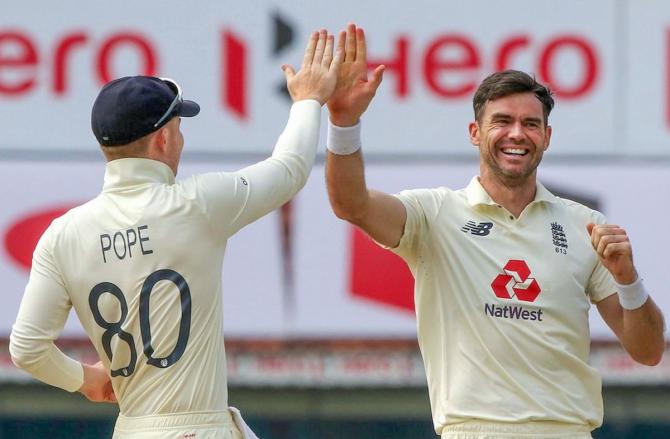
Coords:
pixel 345 172
pixel 296 146
pixel 275 180
pixel 345 180
pixel 42 314
pixel 44 361
pixel 642 333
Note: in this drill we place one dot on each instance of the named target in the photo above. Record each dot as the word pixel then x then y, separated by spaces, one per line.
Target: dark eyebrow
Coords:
pixel 500 116
pixel 534 119
pixel 505 116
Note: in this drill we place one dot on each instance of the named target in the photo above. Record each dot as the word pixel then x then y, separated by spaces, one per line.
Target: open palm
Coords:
pixel 354 90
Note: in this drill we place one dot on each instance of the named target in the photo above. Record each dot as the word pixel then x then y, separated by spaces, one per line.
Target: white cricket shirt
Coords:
pixel 502 305
pixel 141 266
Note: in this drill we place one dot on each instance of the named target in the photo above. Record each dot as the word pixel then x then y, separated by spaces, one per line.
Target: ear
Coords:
pixel 547 137
pixel 473 128
pixel 160 139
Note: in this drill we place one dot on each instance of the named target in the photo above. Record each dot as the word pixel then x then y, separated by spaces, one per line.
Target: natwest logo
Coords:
pixel 516 282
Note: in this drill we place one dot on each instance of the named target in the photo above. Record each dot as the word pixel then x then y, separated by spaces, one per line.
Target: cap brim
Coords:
pixel 189 108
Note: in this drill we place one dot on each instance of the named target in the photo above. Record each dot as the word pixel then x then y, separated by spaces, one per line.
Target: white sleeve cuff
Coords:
pixel 343 140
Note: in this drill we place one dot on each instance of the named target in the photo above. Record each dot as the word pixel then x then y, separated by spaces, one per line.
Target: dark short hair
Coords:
pixel 508 82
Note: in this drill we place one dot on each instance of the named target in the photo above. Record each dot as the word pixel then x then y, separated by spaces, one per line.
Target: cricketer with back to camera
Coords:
pixel 141 263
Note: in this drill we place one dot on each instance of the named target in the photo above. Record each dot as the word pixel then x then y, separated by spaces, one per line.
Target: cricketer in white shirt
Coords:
pixel 141 263
pixel 502 305
pixel 505 272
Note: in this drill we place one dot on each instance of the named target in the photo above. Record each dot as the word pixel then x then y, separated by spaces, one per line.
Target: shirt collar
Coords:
pixel 122 173
pixel 476 194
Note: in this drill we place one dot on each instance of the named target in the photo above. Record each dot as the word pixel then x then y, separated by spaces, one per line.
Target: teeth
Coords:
pixel 514 151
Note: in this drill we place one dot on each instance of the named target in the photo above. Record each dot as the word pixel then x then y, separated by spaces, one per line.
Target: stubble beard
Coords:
pixel 509 178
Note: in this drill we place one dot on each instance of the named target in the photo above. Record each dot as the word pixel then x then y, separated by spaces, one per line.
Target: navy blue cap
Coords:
pixel 131 107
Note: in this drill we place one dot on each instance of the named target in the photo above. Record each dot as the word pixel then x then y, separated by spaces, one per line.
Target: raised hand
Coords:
pixel 317 76
pixel 97 385
pixel 354 90
pixel 614 250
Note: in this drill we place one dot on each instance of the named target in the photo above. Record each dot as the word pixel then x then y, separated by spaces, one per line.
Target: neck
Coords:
pixel 512 194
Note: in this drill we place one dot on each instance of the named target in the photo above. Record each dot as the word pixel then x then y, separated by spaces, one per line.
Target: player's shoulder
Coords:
pixel 55 230
pixel 429 201
pixel 207 184
pixel 579 210
pixel 435 193
pixel 69 219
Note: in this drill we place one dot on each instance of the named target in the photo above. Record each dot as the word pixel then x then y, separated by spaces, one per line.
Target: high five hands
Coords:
pixel 354 89
pixel 317 76
pixel 340 79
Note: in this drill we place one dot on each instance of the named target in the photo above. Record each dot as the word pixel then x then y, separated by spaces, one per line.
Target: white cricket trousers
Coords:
pixel 199 425
pixel 527 430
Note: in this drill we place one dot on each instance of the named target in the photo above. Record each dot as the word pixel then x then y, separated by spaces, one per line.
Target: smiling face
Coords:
pixel 512 136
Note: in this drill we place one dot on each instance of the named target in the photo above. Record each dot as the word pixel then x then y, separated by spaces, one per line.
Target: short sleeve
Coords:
pixel 422 207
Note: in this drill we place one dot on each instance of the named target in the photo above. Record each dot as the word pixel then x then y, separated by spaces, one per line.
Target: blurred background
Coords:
pixel 320 330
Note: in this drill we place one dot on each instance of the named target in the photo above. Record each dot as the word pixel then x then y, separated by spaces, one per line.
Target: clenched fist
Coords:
pixel 614 250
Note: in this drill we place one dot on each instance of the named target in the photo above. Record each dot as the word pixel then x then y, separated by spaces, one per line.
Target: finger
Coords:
pixel 320 47
pixel 597 231
pixel 337 60
pixel 376 78
pixel 289 72
pixel 361 51
pixel 604 228
pixel 328 53
pixel 309 50
pixel 619 248
pixel 350 45
pixel 589 228
pixel 341 41
pixel 609 240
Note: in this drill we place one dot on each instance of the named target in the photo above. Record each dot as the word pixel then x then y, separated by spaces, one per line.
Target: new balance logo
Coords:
pixel 481 229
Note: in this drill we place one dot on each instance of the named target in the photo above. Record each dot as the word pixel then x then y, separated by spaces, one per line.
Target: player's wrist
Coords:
pixel 625 277
pixel 307 98
pixel 632 295
pixel 343 120
pixel 343 140
pixel 86 379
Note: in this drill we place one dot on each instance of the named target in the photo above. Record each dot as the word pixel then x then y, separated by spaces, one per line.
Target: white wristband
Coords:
pixel 343 140
pixel 632 296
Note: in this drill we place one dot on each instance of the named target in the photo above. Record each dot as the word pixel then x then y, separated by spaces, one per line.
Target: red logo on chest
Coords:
pixel 516 282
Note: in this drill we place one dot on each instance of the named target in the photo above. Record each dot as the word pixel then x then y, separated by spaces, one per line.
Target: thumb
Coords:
pixel 110 396
pixel 377 76
pixel 589 228
pixel 289 72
